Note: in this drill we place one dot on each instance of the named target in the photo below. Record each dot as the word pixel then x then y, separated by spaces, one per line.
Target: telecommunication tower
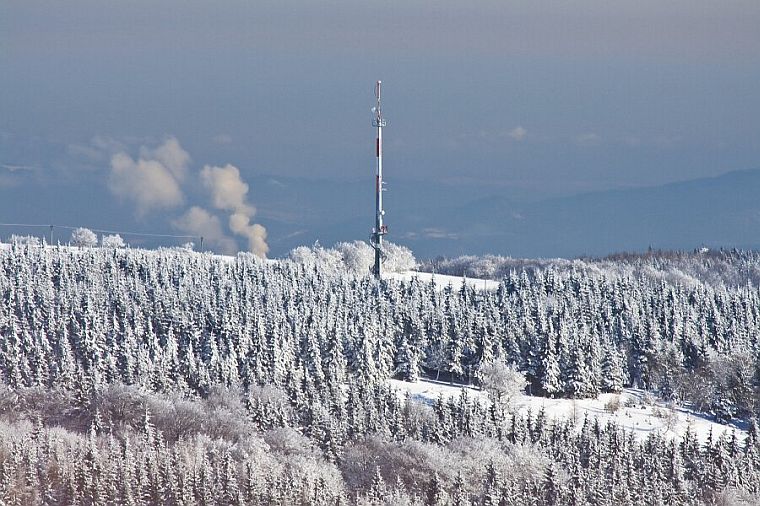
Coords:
pixel 380 228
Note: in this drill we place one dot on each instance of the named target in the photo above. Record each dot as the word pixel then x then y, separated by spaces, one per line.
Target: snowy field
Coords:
pixel 637 412
pixel 443 281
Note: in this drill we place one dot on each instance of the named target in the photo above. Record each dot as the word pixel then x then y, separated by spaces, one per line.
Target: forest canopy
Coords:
pixel 176 377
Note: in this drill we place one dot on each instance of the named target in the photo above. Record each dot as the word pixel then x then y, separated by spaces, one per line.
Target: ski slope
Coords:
pixel 637 412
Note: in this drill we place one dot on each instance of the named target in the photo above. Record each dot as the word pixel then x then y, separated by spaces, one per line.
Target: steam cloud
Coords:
pixel 153 180
pixel 171 155
pixel 199 222
pixel 228 193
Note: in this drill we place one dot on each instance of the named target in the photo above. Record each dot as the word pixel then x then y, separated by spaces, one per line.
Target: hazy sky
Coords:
pixel 537 97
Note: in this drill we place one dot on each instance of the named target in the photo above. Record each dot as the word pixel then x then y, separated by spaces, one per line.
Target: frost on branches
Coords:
pixel 175 377
pixel 83 237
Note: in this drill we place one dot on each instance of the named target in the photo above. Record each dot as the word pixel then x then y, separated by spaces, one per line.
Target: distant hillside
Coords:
pixel 720 211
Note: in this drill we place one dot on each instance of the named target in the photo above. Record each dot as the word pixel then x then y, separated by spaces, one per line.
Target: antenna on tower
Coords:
pixel 380 228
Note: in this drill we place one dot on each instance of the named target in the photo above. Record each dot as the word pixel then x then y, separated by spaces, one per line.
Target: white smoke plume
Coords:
pixel 255 233
pixel 199 222
pixel 171 155
pixel 228 193
pixel 153 180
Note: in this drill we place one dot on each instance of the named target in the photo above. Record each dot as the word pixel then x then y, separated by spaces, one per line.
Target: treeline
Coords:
pixel 718 267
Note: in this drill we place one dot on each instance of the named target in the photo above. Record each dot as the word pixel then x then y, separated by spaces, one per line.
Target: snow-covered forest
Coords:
pixel 175 377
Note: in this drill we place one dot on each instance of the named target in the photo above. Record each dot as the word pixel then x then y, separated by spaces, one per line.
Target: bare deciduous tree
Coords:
pixel 84 237
pixel 502 380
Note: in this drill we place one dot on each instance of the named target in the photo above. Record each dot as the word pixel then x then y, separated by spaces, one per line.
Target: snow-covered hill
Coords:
pixel 638 411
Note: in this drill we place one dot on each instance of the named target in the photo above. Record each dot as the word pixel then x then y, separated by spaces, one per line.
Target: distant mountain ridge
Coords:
pixel 722 211
pixel 440 219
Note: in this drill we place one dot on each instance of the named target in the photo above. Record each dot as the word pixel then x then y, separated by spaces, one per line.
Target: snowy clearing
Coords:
pixel 635 412
pixel 442 281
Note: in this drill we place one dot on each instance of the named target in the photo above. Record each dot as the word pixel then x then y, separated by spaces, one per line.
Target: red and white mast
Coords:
pixel 380 229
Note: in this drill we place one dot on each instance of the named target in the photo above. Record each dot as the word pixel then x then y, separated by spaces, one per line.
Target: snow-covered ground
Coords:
pixel 637 411
pixel 441 281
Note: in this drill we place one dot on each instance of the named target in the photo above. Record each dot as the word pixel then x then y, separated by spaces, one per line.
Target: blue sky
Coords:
pixel 530 100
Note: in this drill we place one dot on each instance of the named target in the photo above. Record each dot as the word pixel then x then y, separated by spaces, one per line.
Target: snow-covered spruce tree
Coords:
pixel 551 383
pixel 408 358
pixel 612 374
